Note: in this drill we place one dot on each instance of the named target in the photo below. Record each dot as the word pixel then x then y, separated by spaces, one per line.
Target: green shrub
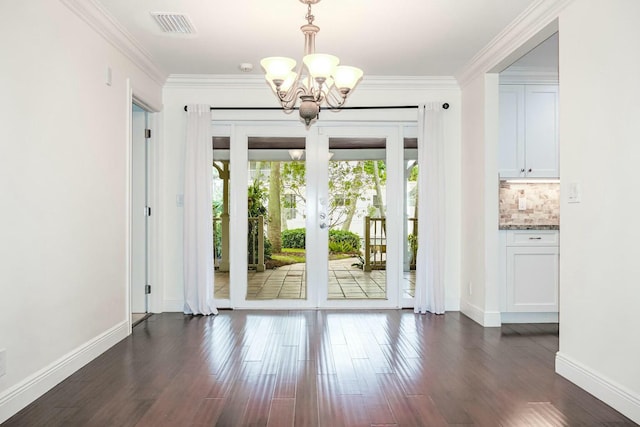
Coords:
pixel 294 238
pixel 339 241
pixel 341 248
pixel 349 240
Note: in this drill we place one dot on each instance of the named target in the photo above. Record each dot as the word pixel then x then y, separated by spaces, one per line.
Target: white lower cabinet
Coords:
pixel 530 274
pixel 532 278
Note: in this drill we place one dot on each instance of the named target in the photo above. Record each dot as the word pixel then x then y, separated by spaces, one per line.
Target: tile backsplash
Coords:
pixel 542 203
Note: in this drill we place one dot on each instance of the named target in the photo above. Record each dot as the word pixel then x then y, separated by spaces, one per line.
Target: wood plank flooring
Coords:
pixel 322 368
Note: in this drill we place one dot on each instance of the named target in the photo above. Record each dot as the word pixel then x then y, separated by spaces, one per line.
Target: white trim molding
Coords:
pixel 512 317
pixel 17 397
pixel 101 21
pixel 520 75
pixel 247 82
pixel 620 398
pixel 523 29
pixel 488 319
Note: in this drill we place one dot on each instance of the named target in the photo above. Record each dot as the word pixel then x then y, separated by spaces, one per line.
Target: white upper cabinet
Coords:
pixel 528 145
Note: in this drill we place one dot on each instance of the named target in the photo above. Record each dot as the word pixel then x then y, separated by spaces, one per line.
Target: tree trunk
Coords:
pixel 346 225
pixel 376 178
pixel 274 229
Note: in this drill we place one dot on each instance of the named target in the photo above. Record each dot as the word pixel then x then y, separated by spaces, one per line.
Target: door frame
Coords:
pixel 139 232
pixel 154 122
pixel 239 170
pixel 317 143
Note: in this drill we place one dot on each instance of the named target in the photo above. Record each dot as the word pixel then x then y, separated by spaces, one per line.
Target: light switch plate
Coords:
pixel 575 193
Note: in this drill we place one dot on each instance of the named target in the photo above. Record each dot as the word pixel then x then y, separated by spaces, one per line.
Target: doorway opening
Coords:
pixel 140 212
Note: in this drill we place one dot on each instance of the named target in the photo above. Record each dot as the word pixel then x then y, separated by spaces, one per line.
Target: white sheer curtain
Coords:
pixel 198 229
pixel 429 295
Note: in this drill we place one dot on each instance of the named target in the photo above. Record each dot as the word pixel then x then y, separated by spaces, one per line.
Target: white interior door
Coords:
pixel 139 212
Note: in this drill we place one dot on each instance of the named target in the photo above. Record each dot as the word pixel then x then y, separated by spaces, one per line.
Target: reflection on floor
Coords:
pixel 288 282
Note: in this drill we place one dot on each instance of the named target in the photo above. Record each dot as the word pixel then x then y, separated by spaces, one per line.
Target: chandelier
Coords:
pixel 318 80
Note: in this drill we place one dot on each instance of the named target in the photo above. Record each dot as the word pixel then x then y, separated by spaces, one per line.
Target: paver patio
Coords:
pixel 288 282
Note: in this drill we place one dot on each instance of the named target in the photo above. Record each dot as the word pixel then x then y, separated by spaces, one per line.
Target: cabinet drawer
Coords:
pixel 532 238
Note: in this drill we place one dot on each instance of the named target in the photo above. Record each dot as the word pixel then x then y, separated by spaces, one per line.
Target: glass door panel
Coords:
pixel 411 218
pixel 356 191
pixel 275 215
pixel 220 210
pixel 357 218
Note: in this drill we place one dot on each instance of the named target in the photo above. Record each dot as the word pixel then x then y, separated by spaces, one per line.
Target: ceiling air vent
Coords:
pixel 173 23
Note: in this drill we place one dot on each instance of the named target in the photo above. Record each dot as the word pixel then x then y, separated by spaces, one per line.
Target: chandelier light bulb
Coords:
pixel 321 65
pixel 347 77
pixel 278 67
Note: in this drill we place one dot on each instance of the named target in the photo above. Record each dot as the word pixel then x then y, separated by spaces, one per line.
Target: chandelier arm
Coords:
pixel 334 99
pixel 287 99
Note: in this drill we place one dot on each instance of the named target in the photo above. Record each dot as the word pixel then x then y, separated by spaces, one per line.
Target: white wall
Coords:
pixel 253 91
pixel 64 165
pixel 479 289
pixel 600 150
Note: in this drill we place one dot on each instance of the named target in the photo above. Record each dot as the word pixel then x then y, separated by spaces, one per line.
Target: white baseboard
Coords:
pixel 173 305
pixel 511 317
pixel 488 319
pixel 452 304
pixel 615 395
pixel 20 395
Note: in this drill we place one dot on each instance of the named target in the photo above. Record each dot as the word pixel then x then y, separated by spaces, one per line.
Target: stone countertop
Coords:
pixel 528 227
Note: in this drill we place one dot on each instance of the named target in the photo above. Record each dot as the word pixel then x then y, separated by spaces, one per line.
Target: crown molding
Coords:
pixel 522 75
pixel 234 81
pixel 101 21
pixel 525 26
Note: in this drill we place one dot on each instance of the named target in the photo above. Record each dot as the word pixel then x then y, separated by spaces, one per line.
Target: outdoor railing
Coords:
pixel 255 249
pixel 412 236
pixel 375 244
pixel 217 242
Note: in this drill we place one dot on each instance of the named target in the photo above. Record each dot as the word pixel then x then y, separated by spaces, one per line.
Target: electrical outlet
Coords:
pixel 3 362
pixel 522 204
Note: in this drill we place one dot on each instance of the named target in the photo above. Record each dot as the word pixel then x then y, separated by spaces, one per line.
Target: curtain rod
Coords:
pixel 376 107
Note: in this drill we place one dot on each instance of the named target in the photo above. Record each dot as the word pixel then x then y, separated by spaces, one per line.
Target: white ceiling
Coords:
pixel 384 38
pixel 543 57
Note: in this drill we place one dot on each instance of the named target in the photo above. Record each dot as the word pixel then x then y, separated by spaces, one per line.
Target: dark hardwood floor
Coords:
pixel 322 368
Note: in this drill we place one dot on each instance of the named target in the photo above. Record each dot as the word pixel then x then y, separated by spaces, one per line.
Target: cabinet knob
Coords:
pixel 522 170
pixel 529 170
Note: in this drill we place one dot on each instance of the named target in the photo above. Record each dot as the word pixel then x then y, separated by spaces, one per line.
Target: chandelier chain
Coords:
pixel 309 16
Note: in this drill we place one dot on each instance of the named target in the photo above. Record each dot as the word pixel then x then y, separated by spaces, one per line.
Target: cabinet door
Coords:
pixel 532 279
pixel 511 139
pixel 541 131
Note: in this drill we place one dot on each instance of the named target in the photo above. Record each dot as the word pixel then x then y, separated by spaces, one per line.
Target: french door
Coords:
pixel 340 196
